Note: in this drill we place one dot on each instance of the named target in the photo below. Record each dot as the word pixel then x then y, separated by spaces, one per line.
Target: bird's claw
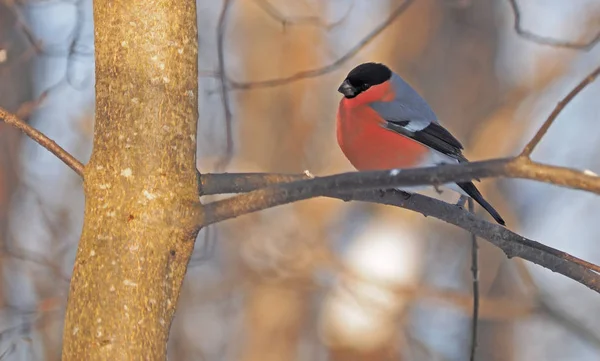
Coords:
pixel 462 201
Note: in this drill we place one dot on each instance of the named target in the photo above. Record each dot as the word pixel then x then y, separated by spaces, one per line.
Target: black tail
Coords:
pixel 474 193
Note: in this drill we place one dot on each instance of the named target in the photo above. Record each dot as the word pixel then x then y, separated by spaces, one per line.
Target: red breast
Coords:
pixel 364 140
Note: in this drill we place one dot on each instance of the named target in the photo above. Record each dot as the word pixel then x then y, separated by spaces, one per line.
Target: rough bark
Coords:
pixel 140 183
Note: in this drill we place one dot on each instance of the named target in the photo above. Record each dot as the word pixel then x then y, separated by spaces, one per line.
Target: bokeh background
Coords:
pixel 322 279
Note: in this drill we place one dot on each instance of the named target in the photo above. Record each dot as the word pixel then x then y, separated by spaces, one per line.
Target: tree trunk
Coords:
pixel 140 183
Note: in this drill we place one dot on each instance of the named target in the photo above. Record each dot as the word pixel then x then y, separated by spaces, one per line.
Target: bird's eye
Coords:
pixel 364 87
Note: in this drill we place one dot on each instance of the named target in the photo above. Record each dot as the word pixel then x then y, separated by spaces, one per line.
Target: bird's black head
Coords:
pixel 363 77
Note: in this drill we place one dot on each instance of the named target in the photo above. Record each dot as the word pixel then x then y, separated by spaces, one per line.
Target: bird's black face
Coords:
pixel 363 77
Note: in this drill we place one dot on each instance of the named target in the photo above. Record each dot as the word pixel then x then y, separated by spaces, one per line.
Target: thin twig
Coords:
pixel 305 74
pixel 35 43
pixel 274 13
pixel 221 28
pixel 559 107
pixel 545 307
pixel 43 140
pixel 568 322
pixel 475 273
pixel 544 40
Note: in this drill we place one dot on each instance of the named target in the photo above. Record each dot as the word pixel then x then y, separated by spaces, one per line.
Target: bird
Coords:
pixel 383 123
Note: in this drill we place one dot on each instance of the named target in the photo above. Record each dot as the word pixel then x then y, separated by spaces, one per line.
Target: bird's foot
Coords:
pixel 437 189
pixel 462 201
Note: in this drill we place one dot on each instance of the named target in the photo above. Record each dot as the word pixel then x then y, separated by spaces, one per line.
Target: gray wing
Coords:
pixel 410 115
pixel 433 135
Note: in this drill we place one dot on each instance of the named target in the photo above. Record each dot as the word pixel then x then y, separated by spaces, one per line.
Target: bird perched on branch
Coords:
pixel 383 123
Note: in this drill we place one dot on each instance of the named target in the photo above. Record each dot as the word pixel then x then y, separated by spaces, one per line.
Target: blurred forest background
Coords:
pixel 322 279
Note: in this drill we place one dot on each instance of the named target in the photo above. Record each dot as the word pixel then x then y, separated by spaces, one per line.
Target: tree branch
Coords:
pixel 221 28
pixel 312 73
pixel 544 40
pixel 557 110
pixel 475 281
pixel 42 140
pixel 274 13
pixel 280 194
pixel 512 244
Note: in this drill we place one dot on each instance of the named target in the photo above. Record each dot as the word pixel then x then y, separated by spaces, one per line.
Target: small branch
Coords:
pixel 544 307
pixel 43 140
pixel 284 189
pixel 221 27
pixel 274 13
pixel 512 244
pixel 568 322
pixel 226 183
pixel 334 187
pixel 281 194
pixel 346 182
pixel 312 73
pixel 475 273
pixel 557 110
pixel 543 40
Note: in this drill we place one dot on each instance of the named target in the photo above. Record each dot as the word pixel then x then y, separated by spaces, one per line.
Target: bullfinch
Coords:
pixel 383 123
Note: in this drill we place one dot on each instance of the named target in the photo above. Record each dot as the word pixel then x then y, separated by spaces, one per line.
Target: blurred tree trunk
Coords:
pixel 496 337
pixel 274 315
pixel 15 91
pixel 279 129
pixel 38 221
pixel 400 45
pixel 457 75
pixel 457 70
pixel 140 183
pixel 16 53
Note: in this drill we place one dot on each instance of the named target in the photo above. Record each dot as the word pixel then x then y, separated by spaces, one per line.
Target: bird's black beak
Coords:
pixel 347 89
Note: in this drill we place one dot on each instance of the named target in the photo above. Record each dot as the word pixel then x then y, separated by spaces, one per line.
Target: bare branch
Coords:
pixel 43 140
pixel 520 167
pixel 543 40
pixel 544 306
pixel 563 318
pixel 557 110
pixel 221 27
pixel 312 73
pixel 274 13
pixel 35 43
pixel 40 260
pixel 512 244
pixel 475 273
